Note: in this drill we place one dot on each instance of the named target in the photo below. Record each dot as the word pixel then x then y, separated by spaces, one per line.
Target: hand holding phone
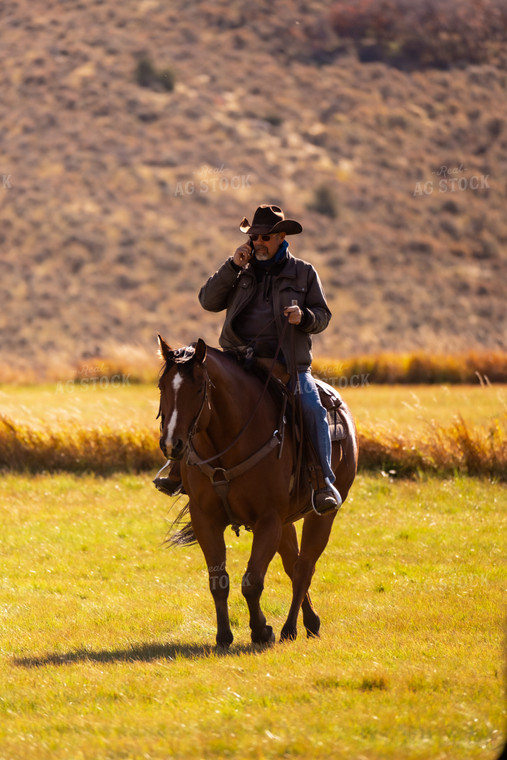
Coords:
pixel 243 254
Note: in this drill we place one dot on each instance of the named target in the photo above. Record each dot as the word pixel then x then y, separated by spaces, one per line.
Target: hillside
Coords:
pixel 118 199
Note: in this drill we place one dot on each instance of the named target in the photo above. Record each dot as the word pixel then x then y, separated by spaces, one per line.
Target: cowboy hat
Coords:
pixel 268 220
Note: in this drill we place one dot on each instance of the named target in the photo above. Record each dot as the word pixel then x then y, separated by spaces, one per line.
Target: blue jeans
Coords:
pixel 315 422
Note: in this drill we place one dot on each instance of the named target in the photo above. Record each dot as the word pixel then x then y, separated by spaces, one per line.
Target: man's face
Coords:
pixel 266 249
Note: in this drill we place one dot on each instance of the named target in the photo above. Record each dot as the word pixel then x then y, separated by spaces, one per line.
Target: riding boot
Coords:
pixel 325 501
pixel 171 484
pixel 324 498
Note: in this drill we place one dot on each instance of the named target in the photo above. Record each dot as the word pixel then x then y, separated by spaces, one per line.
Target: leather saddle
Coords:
pixel 329 396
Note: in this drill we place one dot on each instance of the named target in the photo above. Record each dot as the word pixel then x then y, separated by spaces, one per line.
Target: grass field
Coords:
pixel 92 404
pixel 106 636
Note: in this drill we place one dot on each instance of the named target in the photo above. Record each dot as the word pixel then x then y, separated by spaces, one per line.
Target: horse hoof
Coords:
pixel 312 625
pixel 265 638
pixel 224 641
pixel 289 634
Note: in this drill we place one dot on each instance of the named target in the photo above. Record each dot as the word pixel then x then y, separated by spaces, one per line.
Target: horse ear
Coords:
pixel 200 351
pixel 164 350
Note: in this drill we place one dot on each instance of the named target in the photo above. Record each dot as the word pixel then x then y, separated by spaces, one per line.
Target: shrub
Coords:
pixel 102 450
pixel 324 202
pixel 156 79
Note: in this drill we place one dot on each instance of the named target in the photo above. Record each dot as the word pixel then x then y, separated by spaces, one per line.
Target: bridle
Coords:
pixel 193 427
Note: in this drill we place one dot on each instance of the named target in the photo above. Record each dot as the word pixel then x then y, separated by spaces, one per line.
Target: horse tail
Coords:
pixel 181 532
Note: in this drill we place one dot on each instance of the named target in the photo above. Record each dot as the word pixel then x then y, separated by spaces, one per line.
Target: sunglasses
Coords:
pixel 253 238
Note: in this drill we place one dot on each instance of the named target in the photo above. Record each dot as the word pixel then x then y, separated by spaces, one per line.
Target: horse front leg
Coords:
pixel 289 553
pixel 211 540
pixel 266 538
pixel 314 539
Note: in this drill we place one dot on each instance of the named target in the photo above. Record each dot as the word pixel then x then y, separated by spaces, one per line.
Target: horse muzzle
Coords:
pixel 174 450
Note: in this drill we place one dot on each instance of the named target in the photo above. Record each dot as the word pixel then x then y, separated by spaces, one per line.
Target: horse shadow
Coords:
pixel 143 652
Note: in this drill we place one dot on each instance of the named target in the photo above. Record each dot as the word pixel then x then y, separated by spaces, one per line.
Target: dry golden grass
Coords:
pixel 416 367
pixel 443 449
pixel 102 450
pixel 102 420
pixel 124 364
pixel 456 448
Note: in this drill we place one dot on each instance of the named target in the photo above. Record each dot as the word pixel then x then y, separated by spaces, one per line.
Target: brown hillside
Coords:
pixel 118 199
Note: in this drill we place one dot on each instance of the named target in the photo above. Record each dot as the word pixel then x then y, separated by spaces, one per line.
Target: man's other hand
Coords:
pixel 294 314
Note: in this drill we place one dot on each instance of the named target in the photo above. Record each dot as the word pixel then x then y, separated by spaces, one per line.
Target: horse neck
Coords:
pixel 234 395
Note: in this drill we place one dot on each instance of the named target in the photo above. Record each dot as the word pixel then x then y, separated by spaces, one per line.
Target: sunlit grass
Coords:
pixel 415 408
pixel 137 405
pixel 106 641
pixel 80 405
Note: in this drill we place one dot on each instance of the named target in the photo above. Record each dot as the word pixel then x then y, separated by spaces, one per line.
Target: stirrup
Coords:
pixel 168 486
pixel 336 498
pixel 335 491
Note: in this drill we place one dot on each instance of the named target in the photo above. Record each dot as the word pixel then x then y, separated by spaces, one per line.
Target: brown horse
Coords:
pixel 237 468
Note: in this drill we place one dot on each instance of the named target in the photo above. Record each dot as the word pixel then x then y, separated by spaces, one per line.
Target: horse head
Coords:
pixel 183 389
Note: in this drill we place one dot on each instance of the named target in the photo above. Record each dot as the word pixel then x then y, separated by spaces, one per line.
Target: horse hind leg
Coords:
pixel 289 553
pixel 316 531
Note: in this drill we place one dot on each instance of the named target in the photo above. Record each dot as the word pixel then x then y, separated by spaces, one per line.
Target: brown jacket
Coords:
pixel 298 281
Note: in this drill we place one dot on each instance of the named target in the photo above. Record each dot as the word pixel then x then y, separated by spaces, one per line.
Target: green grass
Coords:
pixel 415 408
pixel 73 404
pixel 106 636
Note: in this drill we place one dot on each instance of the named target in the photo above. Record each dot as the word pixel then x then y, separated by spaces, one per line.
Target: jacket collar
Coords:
pixel 288 270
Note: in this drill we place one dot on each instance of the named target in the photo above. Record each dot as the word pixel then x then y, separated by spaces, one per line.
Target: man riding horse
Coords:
pixel 262 287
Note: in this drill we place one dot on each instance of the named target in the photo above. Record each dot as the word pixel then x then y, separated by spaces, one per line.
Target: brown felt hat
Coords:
pixel 268 220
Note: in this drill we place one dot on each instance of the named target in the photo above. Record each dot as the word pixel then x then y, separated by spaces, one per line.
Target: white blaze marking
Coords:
pixel 177 381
